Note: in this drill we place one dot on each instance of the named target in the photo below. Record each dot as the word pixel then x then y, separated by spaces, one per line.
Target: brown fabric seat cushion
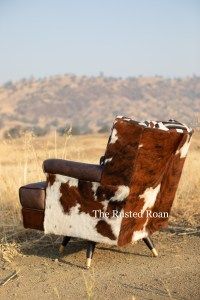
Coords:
pixel 33 195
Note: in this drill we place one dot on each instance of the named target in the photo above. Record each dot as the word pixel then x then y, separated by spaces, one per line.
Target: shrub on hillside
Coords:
pixel 104 129
pixel 18 131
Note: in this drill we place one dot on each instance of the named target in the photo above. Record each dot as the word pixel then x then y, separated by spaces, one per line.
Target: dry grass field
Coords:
pixel 21 163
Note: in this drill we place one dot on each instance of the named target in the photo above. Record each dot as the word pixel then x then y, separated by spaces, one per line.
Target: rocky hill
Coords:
pixel 91 103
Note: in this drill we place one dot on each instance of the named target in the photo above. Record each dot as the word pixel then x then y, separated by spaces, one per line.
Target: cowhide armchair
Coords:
pixel 127 197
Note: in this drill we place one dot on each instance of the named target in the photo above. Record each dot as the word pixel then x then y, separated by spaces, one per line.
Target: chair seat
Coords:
pixel 33 195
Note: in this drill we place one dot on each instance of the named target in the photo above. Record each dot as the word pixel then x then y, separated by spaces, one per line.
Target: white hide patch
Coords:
pixel 140 234
pixel 184 149
pixel 115 224
pixel 116 119
pixel 105 205
pixel 143 124
pixel 154 122
pixel 156 125
pixel 140 146
pixel 65 179
pixel 162 126
pixel 149 197
pixel 114 137
pixel 179 130
pixel 187 128
pixel 74 223
pixel 121 193
pixel 95 186
pixel 107 160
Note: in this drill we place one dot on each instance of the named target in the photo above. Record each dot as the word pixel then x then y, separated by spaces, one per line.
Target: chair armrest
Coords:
pixel 82 171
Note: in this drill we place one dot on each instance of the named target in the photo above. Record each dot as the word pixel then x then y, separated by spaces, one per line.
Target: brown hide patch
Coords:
pixel 123 153
pixel 89 207
pixel 167 193
pixel 87 201
pixel 105 229
pixel 185 137
pixel 169 186
pixel 51 178
pixel 85 190
pixel 91 202
pixel 131 224
pixel 115 206
pixel 152 160
pixel 106 192
pixel 84 197
pixel 69 197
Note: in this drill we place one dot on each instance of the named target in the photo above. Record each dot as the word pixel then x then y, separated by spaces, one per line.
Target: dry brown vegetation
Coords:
pixel 54 102
pixel 21 163
pixel 30 264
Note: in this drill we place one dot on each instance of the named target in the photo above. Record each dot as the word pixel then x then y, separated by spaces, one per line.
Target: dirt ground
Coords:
pixel 116 273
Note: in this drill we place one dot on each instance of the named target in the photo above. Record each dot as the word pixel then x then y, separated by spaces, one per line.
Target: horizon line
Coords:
pixel 100 75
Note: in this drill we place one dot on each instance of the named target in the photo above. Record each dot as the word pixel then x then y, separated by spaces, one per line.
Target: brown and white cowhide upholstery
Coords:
pixel 141 170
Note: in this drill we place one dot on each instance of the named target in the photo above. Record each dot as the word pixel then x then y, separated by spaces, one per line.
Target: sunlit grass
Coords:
pixel 21 163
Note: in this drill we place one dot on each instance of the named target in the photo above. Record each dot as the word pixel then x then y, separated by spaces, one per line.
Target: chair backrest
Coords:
pixel 147 157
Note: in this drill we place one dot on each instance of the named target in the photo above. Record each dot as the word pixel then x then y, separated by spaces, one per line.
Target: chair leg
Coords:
pixel 89 253
pixel 65 241
pixel 150 245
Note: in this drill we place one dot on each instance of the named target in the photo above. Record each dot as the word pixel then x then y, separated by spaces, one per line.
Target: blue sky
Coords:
pixel 117 37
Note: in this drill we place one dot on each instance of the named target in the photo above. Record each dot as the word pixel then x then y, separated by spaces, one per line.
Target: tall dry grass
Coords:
pixel 21 163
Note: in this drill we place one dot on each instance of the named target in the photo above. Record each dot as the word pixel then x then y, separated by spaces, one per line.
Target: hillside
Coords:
pixel 90 103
